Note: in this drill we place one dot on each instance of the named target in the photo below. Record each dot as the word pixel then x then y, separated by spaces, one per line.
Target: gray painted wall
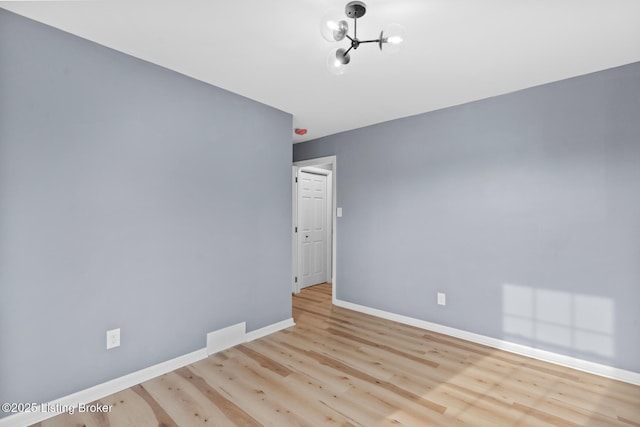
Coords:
pixel 131 197
pixel 524 209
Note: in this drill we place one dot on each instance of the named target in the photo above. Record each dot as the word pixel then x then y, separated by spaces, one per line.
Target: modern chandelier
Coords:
pixel 335 28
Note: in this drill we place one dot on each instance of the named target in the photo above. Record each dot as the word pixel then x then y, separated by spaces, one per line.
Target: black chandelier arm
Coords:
pixel 347 51
pixel 370 41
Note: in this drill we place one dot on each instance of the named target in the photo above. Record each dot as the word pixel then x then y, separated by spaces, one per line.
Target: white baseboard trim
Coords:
pixel 216 341
pixel 270 329
pixel 105 389
pixel 547 356
pixel 226 337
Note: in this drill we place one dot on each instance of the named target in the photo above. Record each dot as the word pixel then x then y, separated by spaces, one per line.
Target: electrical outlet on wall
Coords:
pixel 113 338
pixel 442 298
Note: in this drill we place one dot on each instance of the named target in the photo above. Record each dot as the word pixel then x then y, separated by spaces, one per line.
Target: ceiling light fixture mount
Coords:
pixel 334 29
pixel 355 9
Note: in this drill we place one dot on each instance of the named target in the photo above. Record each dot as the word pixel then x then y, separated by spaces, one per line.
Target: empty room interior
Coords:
pixel 408 213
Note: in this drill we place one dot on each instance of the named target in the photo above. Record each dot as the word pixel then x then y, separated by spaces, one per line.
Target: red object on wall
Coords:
pixel 300 131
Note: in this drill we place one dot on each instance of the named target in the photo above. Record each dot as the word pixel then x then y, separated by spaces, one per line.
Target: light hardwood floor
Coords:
pixel 337 367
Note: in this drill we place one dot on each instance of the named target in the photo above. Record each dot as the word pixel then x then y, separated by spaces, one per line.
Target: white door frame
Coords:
pixel 295 286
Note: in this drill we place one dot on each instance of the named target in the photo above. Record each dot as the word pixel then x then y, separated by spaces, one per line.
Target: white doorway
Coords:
pixel 314 213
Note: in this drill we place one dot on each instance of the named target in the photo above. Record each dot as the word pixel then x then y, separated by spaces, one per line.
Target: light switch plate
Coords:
pixel 339 212
pixel 442 298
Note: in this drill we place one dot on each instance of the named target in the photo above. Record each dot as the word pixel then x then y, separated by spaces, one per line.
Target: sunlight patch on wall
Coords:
pixel 555 319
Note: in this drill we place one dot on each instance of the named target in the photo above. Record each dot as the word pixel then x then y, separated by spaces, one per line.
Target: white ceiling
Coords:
pixel 271 51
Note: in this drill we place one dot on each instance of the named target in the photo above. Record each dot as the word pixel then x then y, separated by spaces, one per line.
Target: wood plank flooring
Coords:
pixel 337 367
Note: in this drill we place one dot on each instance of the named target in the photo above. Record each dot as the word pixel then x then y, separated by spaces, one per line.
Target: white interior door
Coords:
pixel 312 228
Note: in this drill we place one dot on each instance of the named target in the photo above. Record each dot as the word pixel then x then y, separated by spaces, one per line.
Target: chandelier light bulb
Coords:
pixel 334 26
pixel 337 61
pixel 393 36
pixel 342 56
